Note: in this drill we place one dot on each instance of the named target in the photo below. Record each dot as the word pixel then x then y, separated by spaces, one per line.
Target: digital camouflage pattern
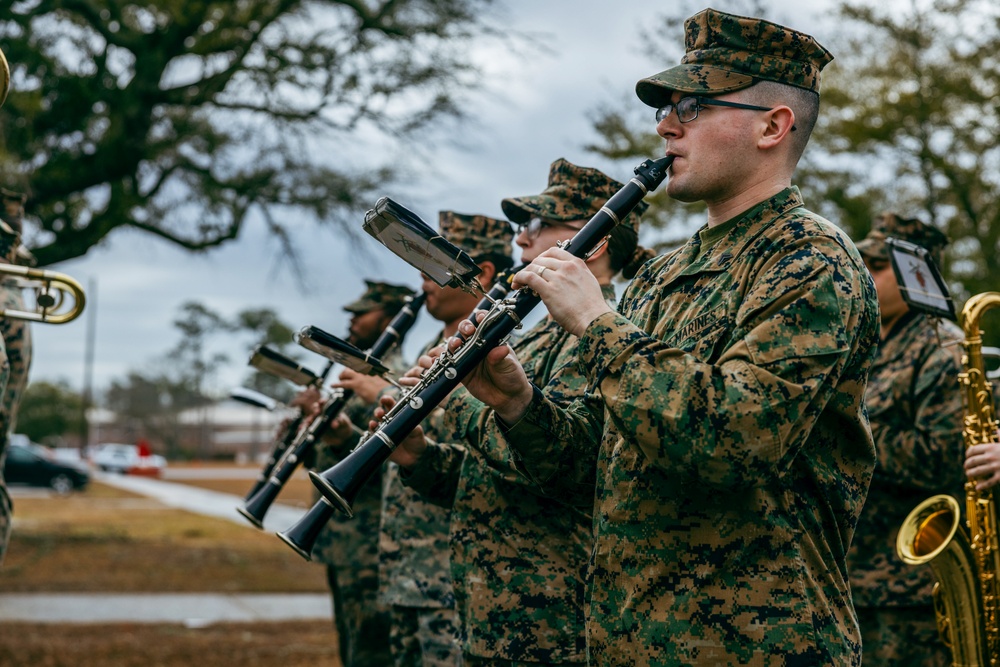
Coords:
pixel 573 193
pixel 17 341
pixel 915 406
pixel 882 627
pixel 892 225
pixel 391 298
pixel 6 507
pixel 477 235
pixel 725 52
pixel 9 242
pixel 518 555
pixel 15 361
pixel 735 453
pixel 349 549
pixel 414 568
pixel 424 638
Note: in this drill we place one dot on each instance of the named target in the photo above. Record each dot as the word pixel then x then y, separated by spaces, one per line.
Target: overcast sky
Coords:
pixel 536 111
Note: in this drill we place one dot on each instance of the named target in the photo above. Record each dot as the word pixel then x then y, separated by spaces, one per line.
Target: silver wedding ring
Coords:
pixel 541 271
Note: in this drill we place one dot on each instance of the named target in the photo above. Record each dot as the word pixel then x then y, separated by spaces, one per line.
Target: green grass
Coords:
pixel 104 540
pixel 107 540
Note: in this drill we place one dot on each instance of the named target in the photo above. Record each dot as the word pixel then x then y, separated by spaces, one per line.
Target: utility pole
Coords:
pixel 88 363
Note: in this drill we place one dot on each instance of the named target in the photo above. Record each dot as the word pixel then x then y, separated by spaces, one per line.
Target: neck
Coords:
pixel 888 324
pixel 726 208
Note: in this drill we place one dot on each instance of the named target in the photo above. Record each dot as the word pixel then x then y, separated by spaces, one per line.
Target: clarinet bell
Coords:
pixel 302 535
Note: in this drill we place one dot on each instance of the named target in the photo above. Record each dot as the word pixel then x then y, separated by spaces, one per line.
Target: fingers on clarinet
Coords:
pixel 498 354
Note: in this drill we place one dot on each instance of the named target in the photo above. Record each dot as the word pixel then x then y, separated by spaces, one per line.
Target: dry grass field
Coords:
pixel 108 540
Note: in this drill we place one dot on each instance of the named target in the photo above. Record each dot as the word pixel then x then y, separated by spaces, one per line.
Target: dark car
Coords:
pixel 34 466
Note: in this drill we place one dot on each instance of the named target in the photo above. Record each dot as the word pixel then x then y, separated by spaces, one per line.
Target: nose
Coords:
pixel 522 239
pixel 669 126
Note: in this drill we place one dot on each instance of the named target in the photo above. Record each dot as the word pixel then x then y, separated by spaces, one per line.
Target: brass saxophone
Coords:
pixel 965 564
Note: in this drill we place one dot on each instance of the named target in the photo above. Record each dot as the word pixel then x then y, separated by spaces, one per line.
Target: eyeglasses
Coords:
pixel 535 226
pixel 687 108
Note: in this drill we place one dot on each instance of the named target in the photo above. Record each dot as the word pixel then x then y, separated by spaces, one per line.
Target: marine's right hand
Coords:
pixel 499 380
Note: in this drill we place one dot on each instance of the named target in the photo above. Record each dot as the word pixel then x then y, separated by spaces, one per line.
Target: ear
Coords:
pixel 489 273
pixel 780 121
pixel 600 252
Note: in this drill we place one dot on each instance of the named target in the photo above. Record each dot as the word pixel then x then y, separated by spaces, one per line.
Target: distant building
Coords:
pixel 227 429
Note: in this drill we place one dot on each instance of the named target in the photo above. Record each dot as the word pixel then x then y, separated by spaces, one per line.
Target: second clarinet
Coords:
pixel 257 506
pixel 341 483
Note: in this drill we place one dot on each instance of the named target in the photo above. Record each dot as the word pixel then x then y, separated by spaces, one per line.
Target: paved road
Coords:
pixel 202 501
pixel 193 610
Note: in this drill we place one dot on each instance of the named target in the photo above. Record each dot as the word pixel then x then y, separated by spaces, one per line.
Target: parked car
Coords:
pixel 126 459
pixel 34 465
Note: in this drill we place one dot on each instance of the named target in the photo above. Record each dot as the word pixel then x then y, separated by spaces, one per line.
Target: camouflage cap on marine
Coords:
pixel 477 235
pixel 10 239
pixel 725 52
pixel 380 295
pixel 12 207
pixel 573 193
pixel 930 238
pixel 24 257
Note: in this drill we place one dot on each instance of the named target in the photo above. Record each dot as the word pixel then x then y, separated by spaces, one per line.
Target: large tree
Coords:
pixel 181 118
pixel 909 123
pixel 49 411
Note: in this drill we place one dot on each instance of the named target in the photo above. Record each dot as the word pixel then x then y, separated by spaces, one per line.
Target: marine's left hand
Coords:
pixel 365 386
pixel 983 463
pixel 567 287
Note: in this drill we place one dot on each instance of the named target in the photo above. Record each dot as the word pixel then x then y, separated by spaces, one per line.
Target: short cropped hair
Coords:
pixel 803 103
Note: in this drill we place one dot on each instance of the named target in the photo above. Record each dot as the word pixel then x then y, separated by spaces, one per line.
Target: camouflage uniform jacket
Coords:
pixel 347 542
pixel 17 339
pixel 735 454
pixel 15 360
pixel 518 556
pixel 414 569
pixel 915 405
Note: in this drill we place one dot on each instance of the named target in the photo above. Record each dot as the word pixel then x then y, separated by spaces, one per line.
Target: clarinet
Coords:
pixel 340 483
pixel 257 506
pixel 284 440
pixel 302 535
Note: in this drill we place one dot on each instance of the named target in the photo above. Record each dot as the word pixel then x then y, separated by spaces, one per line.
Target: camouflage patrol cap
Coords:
pixel 12 208
pixel 725 52
pixel 380 295
pixel 25 257
pixel 573 193
pixel 477 235
pixel 10 239
pixel 930 238
pixel 4 77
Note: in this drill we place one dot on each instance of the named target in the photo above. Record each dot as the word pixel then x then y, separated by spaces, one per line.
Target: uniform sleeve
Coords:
pixel 751 409
pixel 556 446
pixel 929 454
pixel 17 337
pixel 435 476
pixel 556 365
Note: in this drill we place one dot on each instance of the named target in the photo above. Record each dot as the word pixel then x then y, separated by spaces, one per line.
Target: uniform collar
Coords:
pixel 692 259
